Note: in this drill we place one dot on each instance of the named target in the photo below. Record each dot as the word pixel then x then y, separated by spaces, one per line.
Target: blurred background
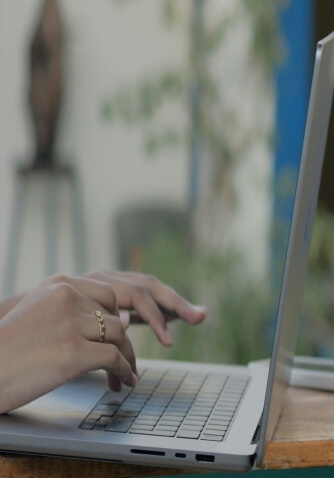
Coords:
pixel 165 137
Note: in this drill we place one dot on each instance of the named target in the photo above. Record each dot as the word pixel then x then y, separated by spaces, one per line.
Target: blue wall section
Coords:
pixel 293 79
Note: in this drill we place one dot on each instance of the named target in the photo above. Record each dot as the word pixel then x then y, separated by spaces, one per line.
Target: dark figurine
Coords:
pixel 45 84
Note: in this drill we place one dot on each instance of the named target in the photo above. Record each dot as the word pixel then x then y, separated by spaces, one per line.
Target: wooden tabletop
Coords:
pixel 304 437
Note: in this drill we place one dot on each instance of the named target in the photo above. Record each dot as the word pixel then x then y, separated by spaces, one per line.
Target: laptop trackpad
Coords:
pixel 64 407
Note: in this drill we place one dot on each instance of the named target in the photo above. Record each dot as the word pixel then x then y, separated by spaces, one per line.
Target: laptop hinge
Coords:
pixel 256 435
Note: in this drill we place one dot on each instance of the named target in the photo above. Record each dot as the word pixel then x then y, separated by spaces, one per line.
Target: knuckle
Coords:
pixel 151 280
pixel 114 356
pixel 63 292
pixel 138 291
pixel 119 332
pixel 109 298
pixel 58 279
pixel 111 294
pixel 96 275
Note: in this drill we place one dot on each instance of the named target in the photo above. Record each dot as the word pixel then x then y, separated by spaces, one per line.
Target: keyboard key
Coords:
pixel 106 406
pixel 227 413
pixel 149 408
pixel 174 414
pixel 144 416
pixel 214 422
pixel 216 427
pixel 129 407
pixel 121 426
pixel 93 416
pixel 101 411
pixel 198 414
pixel 102 422
pixel 127 413
pixel 206 403
pixel 195 422
pixel 221 416
pixel 92 420
pixel 201 411
pixel 111 401
pixel 192 427
pixel 107 413
pixel 136 426
pixel 212 437
pixel 166 428
pixel 228 397
pixel 161 433
pixel 188 434
pixel 146 422
pixel 225 408
pixel 86 426
pixel 151 412
pixel 177 409
pixel 170 423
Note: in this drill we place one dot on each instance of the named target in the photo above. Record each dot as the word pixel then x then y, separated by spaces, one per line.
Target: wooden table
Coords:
pixel 304 437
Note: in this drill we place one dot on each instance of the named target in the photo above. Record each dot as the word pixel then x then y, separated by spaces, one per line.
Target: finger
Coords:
pixel 113 383
pixel 168 315
pixel 90 328
pixel 134 296
pixel 124 315
pixel 167 298
pixel 150 313
pixel 108 357
pixel 114 334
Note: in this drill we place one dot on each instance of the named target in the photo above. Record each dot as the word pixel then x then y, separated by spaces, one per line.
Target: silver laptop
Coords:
pixel 191 415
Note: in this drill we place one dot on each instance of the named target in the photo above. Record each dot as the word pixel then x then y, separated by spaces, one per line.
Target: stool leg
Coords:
pixel 78 226
pixel 51 225
pixel 14 236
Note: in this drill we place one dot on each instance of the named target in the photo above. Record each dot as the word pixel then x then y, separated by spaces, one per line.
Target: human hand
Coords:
pixel 150 301
pixel 51 336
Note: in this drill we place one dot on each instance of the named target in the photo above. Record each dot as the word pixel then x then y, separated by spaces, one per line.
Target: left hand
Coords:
pixel 150 300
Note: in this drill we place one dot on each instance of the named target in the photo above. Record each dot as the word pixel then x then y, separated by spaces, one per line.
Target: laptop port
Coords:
pixel 206 458
pixel 148 452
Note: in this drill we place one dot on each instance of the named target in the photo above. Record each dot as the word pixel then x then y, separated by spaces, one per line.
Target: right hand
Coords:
pixel 51 336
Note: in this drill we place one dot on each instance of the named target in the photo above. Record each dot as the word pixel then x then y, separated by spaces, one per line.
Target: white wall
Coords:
pixel 105 46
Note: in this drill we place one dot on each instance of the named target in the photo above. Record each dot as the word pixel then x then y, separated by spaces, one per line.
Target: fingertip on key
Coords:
pixel 167 338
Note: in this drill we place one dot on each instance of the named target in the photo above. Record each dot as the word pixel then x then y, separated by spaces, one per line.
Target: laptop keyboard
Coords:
pixel 172 403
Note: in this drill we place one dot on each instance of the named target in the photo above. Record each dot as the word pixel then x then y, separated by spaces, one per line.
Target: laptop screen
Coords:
pixel 288 316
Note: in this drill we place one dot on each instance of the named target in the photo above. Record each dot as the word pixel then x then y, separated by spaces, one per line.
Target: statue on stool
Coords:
pixel 45 85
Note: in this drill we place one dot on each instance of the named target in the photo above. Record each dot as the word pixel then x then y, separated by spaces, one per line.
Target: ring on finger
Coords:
pixel 102 326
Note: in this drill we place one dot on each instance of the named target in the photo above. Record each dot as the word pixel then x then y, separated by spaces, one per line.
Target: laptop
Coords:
pixel 187 415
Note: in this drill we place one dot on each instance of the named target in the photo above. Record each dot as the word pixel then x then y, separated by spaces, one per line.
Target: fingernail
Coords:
pixel 134 380
pixel 124 315
pixel 199 308
pixel 168 338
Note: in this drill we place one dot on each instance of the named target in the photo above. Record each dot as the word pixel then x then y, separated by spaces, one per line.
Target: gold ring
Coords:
pixel 102 326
